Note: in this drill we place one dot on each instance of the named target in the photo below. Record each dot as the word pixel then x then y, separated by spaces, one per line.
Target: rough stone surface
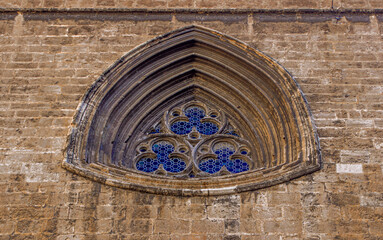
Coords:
pixel 48 63
pixel 349 168
pixel 196 4
pixel 163 4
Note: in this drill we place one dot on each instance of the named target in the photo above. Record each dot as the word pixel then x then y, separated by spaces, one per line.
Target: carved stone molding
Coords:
pixel 247 91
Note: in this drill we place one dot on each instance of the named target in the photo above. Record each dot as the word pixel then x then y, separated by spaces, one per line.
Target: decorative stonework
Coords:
pixel 192 141
pixel 193 112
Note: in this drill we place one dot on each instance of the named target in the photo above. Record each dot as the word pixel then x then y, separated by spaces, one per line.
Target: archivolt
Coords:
pixel 193 64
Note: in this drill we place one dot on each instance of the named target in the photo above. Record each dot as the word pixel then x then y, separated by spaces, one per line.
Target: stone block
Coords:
pixel 349 168
pixel 210 226
pixel 282 227
pixel 172 226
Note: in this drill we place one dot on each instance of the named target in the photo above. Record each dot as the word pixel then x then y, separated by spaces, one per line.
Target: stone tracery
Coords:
pixel 193 122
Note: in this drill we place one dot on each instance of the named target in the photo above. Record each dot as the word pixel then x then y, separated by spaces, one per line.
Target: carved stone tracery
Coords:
pixel 196 141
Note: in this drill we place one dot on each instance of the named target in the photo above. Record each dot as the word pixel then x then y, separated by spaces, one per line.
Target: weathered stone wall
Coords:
pixel 195 4
pixel 49 59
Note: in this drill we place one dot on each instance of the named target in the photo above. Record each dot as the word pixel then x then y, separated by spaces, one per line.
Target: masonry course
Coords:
pixel 48 63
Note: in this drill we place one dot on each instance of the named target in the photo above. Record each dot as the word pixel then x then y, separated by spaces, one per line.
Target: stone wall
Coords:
pixel 195 4
pixel 49 59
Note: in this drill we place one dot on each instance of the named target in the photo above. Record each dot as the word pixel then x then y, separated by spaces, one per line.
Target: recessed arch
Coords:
pixel 247 89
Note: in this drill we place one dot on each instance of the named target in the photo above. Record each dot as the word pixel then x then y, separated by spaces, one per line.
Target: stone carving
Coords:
pixel 210 146
pixel 193 112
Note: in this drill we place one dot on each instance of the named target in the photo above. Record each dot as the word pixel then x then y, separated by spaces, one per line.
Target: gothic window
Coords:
pixel 193 112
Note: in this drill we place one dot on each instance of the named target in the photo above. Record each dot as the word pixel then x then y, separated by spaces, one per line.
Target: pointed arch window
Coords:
pixel 193 112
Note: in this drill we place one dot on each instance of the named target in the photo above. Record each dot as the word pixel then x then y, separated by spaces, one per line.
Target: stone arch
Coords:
pixel 194 64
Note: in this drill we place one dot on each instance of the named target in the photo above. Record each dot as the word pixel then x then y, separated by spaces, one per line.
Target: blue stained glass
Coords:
pixel 157 129
pixel 162 149
pixel 174 165
pixel 207 128
pixel 143 150
pixel 181 128
pixel 232 133
pixel 147 165
pixel 195 115
pixel 212 165
pixel 237 166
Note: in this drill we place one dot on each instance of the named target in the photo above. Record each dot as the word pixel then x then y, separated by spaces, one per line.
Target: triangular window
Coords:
pixel 193 112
